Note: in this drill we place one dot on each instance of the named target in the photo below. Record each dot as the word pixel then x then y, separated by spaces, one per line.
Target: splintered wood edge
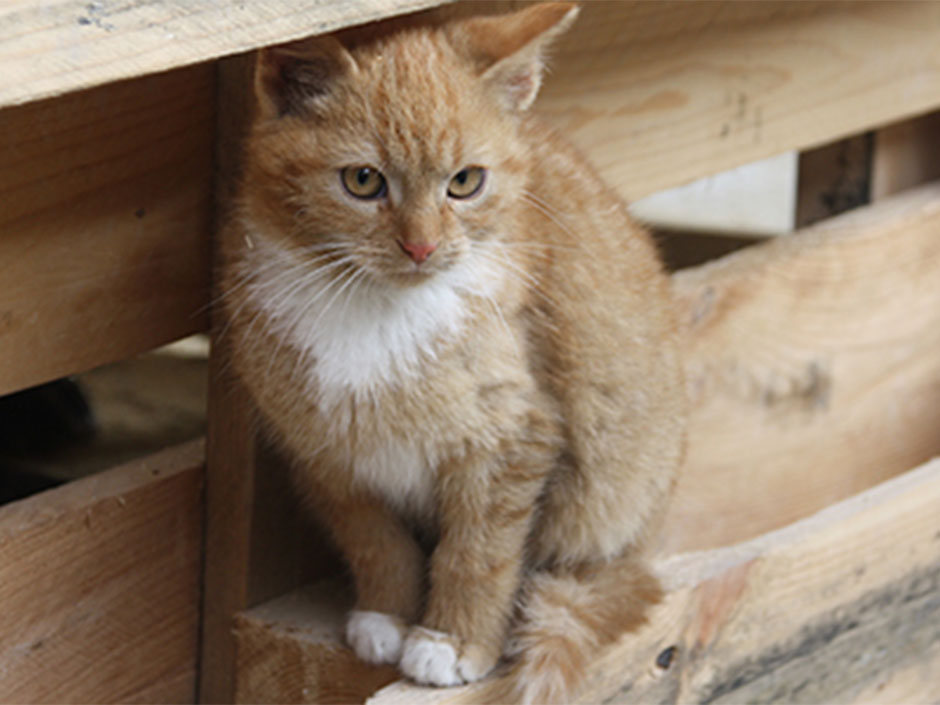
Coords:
pixel 815 588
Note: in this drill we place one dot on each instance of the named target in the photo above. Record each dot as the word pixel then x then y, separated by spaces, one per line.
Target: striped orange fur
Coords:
pixel 453 328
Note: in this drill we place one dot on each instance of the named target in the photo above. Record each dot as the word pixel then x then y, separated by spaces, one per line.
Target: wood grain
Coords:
pixel 232 450
pixel 813 369
pixel 105 221
pixel 659 94
pixel 839 607
pixel 59 46
pixel 290 651
pixel 100 583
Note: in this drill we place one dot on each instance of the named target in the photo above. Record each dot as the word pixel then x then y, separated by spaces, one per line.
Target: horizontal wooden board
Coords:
pixel 99 586
pixel 813 369
pixel 58 46
pixel 661 93
pixel 290 650
pixel 840 607
pixel 105 224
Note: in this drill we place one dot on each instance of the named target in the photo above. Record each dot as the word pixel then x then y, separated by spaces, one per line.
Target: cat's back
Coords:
pixel 598 264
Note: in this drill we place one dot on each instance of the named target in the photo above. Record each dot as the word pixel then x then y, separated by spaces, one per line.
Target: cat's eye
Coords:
pixel 467 182
pixel 363 181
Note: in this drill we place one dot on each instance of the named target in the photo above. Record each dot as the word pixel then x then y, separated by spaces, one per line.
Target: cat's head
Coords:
pixel 398 153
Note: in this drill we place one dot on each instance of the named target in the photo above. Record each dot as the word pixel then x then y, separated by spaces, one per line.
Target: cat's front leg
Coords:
pixel 387 566
pixel 486 505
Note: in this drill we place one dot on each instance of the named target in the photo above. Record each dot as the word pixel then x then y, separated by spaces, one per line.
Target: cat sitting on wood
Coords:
pixel 453 328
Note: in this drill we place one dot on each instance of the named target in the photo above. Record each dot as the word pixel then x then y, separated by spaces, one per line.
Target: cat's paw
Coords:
pixel 430 657
pixel 376 637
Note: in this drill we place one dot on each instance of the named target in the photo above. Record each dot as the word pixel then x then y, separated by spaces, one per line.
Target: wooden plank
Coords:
pixel 840 607
pixel 105 222
pixel 905 155
pixel 232 448
pixel 59 46
pixel 659 94
pixel 813 370
pixel 827 609
pixel 100 582
pixel 290 651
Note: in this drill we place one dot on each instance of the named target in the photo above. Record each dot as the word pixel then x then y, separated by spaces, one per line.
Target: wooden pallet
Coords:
pixel 801 549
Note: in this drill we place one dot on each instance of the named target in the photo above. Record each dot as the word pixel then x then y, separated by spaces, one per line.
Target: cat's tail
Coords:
pixel 567 618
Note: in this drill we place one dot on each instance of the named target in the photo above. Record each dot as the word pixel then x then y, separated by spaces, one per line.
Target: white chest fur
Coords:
pixel 355 335
pixel 399 471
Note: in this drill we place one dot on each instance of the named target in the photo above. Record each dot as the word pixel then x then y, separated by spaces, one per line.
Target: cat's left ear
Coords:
pixel 509 50
pixel 292 79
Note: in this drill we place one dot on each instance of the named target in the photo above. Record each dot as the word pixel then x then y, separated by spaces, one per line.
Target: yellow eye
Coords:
pixel 363 181
pixel 467 182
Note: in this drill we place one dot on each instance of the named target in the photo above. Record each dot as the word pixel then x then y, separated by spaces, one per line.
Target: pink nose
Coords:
pixel 418 251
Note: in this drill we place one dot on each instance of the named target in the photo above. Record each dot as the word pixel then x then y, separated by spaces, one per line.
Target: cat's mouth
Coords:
pixel 411 274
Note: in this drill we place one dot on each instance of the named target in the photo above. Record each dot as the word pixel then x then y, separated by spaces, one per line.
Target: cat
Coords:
pixel 454 330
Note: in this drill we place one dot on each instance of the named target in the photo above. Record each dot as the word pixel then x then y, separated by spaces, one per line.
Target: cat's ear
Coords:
pixel 508 51
pixel 292 79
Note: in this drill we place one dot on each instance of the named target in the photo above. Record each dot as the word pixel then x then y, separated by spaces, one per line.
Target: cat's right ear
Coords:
pixel 292 79
pixel 508 51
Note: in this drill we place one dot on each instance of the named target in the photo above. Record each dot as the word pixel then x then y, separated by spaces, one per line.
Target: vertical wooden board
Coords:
pixel 230 485
pixel 99 586
pixel 232 451
pixel 104 225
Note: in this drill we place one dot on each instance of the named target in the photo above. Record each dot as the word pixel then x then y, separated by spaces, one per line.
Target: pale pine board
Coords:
pixel 105 220
pixel 53 47
pixel 812 368
pixel 661 93
pixel 100 586
pixel 839 607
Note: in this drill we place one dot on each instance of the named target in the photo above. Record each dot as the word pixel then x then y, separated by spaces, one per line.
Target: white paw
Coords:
pixel 374 636
pixel 433 658
pixel 430 657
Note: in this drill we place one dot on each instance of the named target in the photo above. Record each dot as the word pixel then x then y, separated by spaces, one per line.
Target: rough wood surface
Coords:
pixel 100 583
pixel 661 93
pixel 813 369
pixel 56 46
pixel 105 222
pixel 843 606
pixel 290 651
pixel 232 447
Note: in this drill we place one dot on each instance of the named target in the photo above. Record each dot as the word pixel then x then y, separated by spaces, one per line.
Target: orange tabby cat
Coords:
pixel 453 327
